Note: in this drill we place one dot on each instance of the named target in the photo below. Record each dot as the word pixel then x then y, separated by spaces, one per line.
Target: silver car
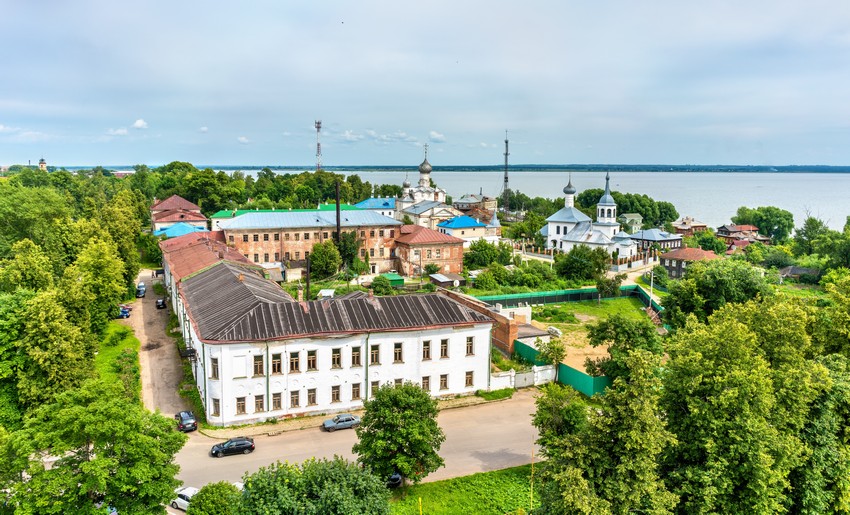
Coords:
pixel 341 421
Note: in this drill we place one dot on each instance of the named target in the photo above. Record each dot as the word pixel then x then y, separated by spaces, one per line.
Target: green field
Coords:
pixel 497 492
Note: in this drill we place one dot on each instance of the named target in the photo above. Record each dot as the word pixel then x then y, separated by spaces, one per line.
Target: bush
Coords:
pixel 495 395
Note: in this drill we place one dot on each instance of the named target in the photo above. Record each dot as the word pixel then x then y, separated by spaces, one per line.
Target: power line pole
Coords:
pixel 318 125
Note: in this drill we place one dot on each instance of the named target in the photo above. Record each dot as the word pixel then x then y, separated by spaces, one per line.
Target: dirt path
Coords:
pixel 158 358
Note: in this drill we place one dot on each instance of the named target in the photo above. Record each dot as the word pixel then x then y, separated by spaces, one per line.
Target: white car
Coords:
pixel 184 496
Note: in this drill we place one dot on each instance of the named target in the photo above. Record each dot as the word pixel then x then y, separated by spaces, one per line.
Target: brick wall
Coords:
pixel 505 330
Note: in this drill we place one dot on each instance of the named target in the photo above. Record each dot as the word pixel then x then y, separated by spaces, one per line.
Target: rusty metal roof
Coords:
pixel 227 303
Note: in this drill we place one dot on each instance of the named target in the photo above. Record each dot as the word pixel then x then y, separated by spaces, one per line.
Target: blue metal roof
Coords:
pixel 179 229
pixel 280 220
pixel 376 203
pixel 461 222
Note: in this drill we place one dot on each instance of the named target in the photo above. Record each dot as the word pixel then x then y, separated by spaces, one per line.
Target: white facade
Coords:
pixel 308 376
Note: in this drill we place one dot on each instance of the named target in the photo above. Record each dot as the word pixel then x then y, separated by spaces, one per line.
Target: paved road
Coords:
pixel 479 438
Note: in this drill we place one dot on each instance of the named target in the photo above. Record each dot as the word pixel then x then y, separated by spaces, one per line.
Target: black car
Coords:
pixel 238 445
pixel 186 421
pixel 160 303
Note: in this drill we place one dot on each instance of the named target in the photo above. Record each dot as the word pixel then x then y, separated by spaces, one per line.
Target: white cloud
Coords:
pixel 286 134
pixel 26 136
pixel 121 131
pixel 6 128
pixel 436 137
pixel 140 124
pixel 351 136
pixel 243 140
pixel 204 129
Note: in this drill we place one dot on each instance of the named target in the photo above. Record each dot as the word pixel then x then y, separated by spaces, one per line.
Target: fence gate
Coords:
pixel 523 379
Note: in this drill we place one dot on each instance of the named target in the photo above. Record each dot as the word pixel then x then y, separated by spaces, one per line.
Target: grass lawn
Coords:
pixel 629 307
pixel 117 359
pixel 655 291
pixel 497 492
pixel 803 291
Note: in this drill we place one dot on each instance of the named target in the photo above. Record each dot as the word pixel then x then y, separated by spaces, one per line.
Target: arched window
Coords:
pixel 609 213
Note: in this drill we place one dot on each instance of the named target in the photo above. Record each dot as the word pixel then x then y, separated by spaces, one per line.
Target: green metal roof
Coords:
pixel 233 213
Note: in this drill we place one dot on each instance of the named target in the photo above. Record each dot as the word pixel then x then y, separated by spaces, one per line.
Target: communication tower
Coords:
pixel 318 125
pixel 505 188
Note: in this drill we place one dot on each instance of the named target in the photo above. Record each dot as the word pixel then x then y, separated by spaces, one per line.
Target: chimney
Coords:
pixel 370 293
pixel 300 295
pixel 241 277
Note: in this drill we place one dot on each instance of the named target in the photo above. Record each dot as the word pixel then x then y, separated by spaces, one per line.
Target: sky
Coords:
pixel 97 82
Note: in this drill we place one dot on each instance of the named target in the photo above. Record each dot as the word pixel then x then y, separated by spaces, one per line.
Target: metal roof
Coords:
pixel 288 220
pixel 568 215
pixel 461 222
pixel 377 203
pixel 227 303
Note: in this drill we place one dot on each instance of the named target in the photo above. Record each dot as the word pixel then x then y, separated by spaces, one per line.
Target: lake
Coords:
pixel 710 197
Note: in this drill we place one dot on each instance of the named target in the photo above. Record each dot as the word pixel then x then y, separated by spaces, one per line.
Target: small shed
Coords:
pixel 447 280
pixel 396 281
pixel 326 294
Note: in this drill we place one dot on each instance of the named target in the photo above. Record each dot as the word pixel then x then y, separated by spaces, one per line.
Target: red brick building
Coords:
pixel 418 246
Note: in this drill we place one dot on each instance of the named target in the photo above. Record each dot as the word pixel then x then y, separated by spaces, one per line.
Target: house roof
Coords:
pixel 232 213
pixel 584 233
pixel 178 215
pixel 425 205
pixel 655 235
pixel 190 239
pixel 199 254
pixel 687 221
pixel 377 203
pixel 227 304
pixel 568 215
pixel 178 229
pixel 461 222
pixel 315 218
pixel 418 235
pixel 631 216
pixel 469 198
pixel 175 202
pixel 690 254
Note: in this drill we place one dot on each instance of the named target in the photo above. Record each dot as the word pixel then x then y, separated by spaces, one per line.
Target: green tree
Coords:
pixel 332 487
pixel 348 246
pixel 622 335
pixel 551 351
pixel 582 263
pixel 120 218
pixel 98 271
pixel 29 213
pixel 221 498
pixel 149 246
pixel 381 286
pixel 806 236
pixel 432 268
pixel 719 400
pixel 399 432
pixel 486 281
pixel 29 269
pixel 608 287
pixel 54 351
pixel 324 260
pixel 709 285
pixel 107 448
pixel 482 253
pixel 771 221
pixel 706 240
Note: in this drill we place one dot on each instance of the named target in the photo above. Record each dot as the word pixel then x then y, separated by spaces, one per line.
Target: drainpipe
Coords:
pixel 490 356
pixel 366 368
pixel 268 367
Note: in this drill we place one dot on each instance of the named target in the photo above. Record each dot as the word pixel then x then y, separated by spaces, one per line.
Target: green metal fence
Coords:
pixel 559 296
pixel 586 384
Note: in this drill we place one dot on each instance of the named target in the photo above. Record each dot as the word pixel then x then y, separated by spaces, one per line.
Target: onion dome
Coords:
pixel 569 189
pixel 425 167
pixel 607 199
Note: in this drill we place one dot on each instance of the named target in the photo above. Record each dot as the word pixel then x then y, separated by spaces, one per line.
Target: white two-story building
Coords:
pixel 260 355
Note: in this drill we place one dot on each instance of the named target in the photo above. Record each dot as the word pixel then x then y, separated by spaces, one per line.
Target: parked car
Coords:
pixel 128 307
pixel 186 421
pixel 160 303
pixel 341 421
pixel 237 445
pixel 123 313
pixel 141 289
pixel 394 481
pixel 184 497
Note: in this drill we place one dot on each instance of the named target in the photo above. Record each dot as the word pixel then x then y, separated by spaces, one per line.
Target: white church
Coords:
pixel 570 227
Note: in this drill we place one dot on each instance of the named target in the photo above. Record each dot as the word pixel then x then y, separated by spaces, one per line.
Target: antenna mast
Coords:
pixel 505 188
pixel 318 125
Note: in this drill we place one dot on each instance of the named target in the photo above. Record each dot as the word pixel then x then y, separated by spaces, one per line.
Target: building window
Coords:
pixel 398 382
pixel 277 256
pixel 444 348
pixel 334 393
pixel 397 354
pixel 371 252
pixel 265 237
pixel 286 236
pixel 428 254
pixel 216 408
pixel 372 233
pixel 265 258
pixel 259 369
pixel 374 355
pixel 286 256
pixel 256 258
pixel 336 358
pixel 325 235
pixel 426 350
pixel 355 356
pixel 444 382
pixel 311 360
pixel 362 234
pixel 362 252
pixel 277 236
pixel 306 235
pixel 557 229
pixel 295 362
pixel 240 405
pixel 437 253
pixel 426 383
pixel 469 378
pixel 355 391
pixel 297 255
pixel 297 236
pixel 381 252
pixel 277 367
pixel 277 403
pixel 375 387
pixel 316 235
pixel 311 397
pixel 470 345
pixel 392 233
pixel 230 238
pixel 213 368
pixel 256 237
pixel 259 403
pixel 294 399
pixel 245 238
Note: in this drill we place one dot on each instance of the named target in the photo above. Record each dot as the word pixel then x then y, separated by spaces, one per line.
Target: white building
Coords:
pixel 259 355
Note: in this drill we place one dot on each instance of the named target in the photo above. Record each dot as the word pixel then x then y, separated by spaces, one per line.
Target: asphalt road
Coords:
pixel 479 438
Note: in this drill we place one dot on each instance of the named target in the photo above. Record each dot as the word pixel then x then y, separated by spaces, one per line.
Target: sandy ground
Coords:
pixel 159 359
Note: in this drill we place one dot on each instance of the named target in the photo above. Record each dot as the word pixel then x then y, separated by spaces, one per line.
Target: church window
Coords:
pixel 557 229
